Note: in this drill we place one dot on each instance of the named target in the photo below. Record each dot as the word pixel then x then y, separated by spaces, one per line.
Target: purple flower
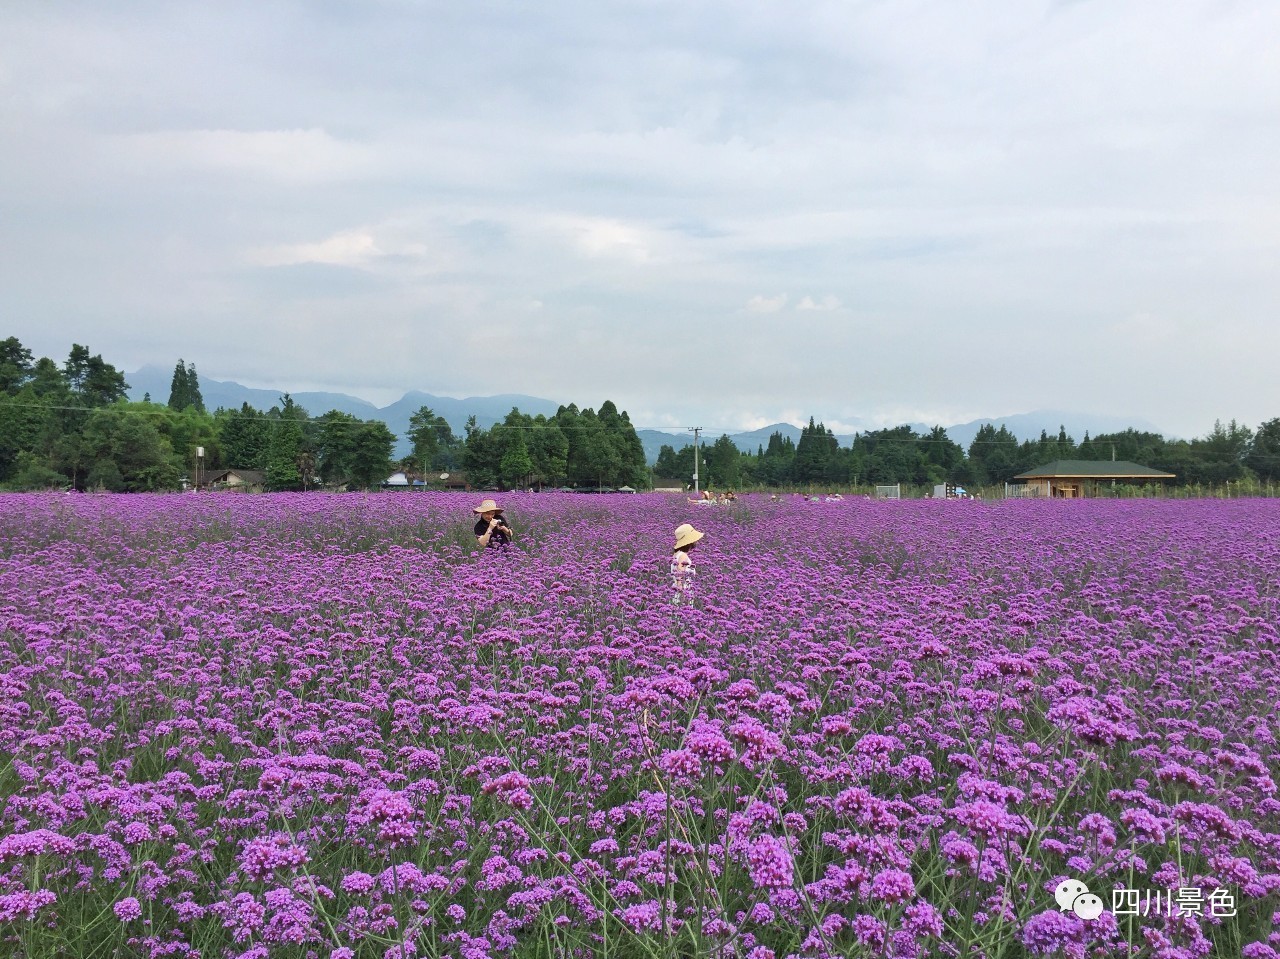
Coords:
pixel 1053 933
pixel 771 864
pixel 893 885
pixel 128 909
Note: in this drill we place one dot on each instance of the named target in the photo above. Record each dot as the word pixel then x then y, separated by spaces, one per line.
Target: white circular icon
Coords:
pixel 1087 906
pixel 1067 891
pixel 1074 896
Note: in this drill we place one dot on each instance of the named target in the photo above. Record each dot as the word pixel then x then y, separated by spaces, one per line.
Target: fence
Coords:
pixel 1021 491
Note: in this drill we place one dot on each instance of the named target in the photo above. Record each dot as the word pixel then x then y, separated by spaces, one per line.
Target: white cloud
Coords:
pixel 608 239
pixel 292 156
pixel 354 248
pixel 825 305
pixel 766 304
pixel 976 173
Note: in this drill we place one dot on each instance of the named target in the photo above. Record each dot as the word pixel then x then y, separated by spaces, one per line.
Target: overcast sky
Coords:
pixel 720 212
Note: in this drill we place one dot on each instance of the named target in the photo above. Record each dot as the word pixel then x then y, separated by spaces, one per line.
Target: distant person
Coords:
pixel 682 569
pixel 491 528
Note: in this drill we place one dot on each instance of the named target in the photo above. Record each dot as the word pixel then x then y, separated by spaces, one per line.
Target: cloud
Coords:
pixel 608 239
pixel 766 304
pixel 354 248
pixel 825 305
pixel 291 156
pixel 970 178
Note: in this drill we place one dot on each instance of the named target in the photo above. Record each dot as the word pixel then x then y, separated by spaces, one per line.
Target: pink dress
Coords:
pixel 682 573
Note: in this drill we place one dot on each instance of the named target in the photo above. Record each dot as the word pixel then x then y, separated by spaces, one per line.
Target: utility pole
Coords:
pixel 695 430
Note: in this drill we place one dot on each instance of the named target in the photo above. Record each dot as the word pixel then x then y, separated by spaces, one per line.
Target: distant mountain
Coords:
pixel 654 440
pixel 1027 426
pixel 489 410
pixel 156 381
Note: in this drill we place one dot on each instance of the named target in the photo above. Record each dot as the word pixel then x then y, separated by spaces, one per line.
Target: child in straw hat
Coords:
pixel 682 569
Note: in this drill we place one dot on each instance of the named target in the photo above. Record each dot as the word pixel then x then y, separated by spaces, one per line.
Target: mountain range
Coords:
pixel 489 410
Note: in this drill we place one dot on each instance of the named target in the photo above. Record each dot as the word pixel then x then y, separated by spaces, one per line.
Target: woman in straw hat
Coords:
pixel 682 569
pixel 491 527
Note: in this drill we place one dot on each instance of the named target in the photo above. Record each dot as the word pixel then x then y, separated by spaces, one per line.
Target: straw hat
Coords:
pixel 686 535
pixel 486 506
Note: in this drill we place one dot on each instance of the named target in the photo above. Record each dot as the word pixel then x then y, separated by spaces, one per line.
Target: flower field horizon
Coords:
pixel 328 726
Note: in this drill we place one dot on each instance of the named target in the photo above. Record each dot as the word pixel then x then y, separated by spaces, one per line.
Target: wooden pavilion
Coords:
pixel 1076 479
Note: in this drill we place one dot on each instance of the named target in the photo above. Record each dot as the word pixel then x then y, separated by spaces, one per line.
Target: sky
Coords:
pixel 731 213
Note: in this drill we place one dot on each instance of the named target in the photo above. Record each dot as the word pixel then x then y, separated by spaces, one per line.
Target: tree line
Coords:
pixel 1230 453
pixel 579 448
pixel 71 425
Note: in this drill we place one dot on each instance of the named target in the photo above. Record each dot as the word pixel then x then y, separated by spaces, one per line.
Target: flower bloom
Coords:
pixel 127 910
pixel 893 885
pixel 1053 933
pixel 512 788
pixel 770 863
pixel 682 765
pixel 1143 825
pixel 264 855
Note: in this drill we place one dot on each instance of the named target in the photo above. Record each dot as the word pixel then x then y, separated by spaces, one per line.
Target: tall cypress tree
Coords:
pixel 178 387
pixel 193 389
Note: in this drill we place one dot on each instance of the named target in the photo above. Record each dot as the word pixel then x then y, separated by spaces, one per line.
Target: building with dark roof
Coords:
pixel 235 479
pixel 1073 479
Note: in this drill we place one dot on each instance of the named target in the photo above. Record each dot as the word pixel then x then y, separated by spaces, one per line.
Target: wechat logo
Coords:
pixel 1075 896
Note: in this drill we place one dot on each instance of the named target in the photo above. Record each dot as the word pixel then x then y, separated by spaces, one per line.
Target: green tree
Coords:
pixel 184 388
pixel 132 443
pixel 336 446
pixel 433 441
pixel 632 468
pixel 92 381
pixel 1263 456
pixel 549 448
pixel 106 475
pixel 724 463
pixel 516 465
pixel 288 440
pixel 814 452
pixel 371 456
pixel 244 437
pixel 994 455
pixel 23 422
pixel 482 457
pixel 178 387
pixel 942 456
pixel 33 473
pixel 891 456
pixel 193 389
pixel 15 365
pixel 776 461
pixel 48 380
pixel 1221 455
pixel 665 467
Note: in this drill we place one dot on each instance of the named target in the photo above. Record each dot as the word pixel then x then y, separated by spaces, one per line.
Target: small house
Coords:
pixel 235 479
pixel 1077 479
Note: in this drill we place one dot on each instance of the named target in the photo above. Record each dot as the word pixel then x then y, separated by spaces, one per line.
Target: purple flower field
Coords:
pixel 327 726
